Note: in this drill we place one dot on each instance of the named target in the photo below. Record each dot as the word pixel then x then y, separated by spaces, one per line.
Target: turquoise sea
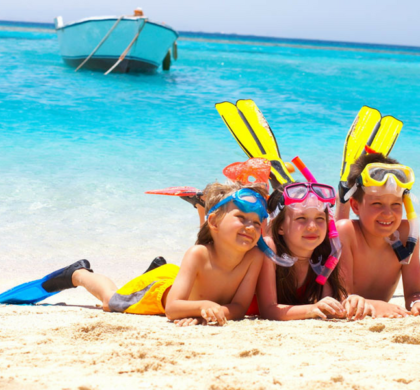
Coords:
pixel 78 150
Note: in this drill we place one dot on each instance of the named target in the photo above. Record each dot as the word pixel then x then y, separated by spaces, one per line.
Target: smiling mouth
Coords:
pixel 310 237
pixel 246 236
pixel 385 223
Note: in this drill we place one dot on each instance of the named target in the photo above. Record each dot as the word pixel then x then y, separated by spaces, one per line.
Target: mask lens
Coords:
pixel 249 201
pixel 297 192
pixel 379 174
pixel 324 192
pixel 310 202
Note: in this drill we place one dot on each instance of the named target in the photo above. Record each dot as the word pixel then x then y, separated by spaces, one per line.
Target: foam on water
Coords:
pixel 78 150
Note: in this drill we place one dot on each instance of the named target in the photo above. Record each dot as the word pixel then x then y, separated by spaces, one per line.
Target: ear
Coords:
pixel 281 230
pixel 355 206
pixel 212 221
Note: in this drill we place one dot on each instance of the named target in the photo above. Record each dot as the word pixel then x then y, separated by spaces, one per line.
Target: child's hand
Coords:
pixel 357 307
pixel 415 309
pixel 190 322
pixel 214 314
pixel 327 306
pixel 389 310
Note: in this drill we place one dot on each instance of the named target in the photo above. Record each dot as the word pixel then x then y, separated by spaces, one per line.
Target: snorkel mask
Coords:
pixel 249 201
pixel 302 196
pixel 246 200
pixel 380 179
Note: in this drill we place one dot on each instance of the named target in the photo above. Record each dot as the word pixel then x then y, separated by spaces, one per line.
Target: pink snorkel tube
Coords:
pixel 323 271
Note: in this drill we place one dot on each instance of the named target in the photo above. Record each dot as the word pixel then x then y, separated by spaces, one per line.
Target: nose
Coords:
pixel 311 225
pixel 386 210
pixel 249 226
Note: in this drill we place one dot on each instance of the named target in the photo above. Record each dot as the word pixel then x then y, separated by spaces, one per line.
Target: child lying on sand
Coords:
pixel 289 290
pixel 217 277
pixel 370 265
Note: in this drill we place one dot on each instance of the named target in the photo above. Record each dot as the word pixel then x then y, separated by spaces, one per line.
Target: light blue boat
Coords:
pixel 111 43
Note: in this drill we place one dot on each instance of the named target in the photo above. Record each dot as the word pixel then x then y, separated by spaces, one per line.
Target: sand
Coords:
pixel 73 346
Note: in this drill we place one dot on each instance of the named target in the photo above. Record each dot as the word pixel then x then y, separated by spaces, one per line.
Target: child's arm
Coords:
pixel 411 283
pixel 271 310
pixel 177 304
pixel 379 308
pixel 240 302
pixel 342 210
pixel 243 297
pixel 201 214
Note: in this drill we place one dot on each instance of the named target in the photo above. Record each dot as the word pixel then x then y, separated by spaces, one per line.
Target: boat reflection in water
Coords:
pixel 121 44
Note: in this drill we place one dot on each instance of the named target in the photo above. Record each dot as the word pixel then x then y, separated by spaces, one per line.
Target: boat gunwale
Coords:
pixel 130 58
pixel 105 18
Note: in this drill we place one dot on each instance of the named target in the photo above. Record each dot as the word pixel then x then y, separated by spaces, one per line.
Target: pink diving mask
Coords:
pixel 306 195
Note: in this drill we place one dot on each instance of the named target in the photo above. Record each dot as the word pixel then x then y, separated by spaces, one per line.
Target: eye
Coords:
pixel 257 223
pixel 321 218
pixel 241 217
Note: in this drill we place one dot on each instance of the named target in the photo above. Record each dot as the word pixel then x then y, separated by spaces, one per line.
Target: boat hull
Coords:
pixel 78 40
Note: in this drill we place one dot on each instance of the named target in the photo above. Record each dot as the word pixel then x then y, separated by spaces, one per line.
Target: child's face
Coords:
pixel 303 230
pixel 243 229
pixel 379 215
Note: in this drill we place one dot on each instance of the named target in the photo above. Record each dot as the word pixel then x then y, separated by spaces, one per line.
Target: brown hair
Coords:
pixel 216 192
pixel 360 164
pixel 286 281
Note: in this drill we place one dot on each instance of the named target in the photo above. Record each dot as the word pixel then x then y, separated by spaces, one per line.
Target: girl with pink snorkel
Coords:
pixel 300 277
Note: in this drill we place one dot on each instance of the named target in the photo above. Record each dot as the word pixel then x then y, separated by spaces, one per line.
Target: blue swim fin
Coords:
pixel 36 291
pixel 30 292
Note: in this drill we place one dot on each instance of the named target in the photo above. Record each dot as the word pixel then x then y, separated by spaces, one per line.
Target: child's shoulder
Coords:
pixel 347 228
pixel 197 254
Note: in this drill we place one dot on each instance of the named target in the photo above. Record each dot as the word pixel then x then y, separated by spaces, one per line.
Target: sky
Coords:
pixel 368 21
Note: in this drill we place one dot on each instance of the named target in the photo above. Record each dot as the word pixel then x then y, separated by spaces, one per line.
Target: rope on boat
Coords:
pixel 122 56
pixel 100 43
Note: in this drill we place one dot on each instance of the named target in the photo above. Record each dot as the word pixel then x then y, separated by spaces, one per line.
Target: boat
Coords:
pixel 117 43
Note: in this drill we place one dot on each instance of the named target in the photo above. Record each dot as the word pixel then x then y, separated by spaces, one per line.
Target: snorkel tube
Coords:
pixel 323 271
pixel 284 260
pixel 404 253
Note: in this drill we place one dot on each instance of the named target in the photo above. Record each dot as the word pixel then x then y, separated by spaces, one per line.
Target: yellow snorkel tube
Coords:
pixel 379 179
pixel 404 253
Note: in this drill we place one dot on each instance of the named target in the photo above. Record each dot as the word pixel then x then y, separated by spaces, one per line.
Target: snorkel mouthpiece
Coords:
pixel 405 252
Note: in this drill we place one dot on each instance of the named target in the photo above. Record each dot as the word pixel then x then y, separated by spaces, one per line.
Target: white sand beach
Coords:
pixel 74 346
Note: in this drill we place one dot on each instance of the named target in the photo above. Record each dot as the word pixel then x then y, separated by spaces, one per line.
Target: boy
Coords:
pixel 217 277
pixel 371 267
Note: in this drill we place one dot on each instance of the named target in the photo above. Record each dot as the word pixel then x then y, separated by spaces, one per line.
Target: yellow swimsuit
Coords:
pixel 143 295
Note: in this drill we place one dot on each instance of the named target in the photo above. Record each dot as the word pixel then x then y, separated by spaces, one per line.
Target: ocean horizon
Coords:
pixel 258 38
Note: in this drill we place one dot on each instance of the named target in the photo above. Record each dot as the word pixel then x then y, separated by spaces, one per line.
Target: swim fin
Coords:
pixel 49 285
pixel 254 135
pixel 371 130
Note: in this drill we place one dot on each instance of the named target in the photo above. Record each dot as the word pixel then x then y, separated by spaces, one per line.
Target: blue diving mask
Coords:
pixel 246 200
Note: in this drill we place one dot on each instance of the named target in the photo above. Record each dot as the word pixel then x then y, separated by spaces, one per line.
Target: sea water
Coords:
pixel 79 150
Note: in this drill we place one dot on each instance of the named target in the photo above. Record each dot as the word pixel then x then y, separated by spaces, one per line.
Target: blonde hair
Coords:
pixel 215 193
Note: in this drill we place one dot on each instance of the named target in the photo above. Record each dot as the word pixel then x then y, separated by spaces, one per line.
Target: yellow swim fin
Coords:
pixel 252 132
pixel 371 130
pixel 387 135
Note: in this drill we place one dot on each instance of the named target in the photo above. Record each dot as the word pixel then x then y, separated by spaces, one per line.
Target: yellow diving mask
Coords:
pixel 380 179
